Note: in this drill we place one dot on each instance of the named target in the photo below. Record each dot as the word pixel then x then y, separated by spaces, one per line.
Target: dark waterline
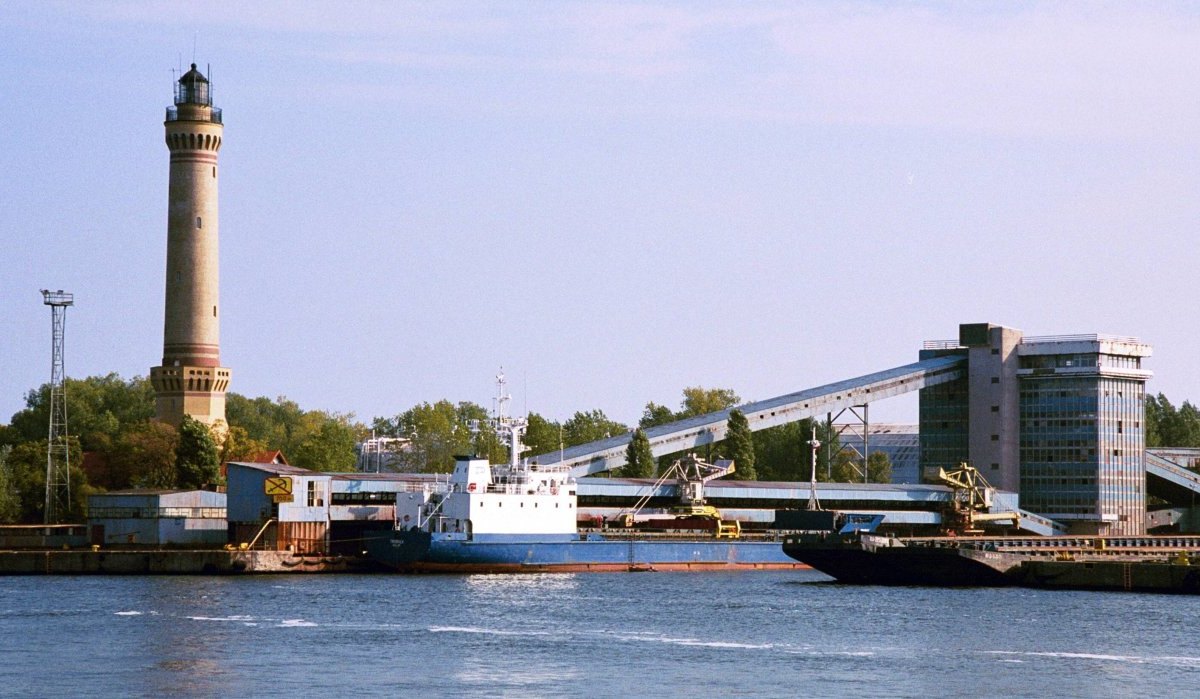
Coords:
pixel 781 634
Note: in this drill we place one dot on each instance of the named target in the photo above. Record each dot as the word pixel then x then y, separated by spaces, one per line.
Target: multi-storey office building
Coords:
pixel 1058 419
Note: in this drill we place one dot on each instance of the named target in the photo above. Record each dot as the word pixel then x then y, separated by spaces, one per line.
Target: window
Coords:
pixel 316 494
pixel 995 379
pixel 995 408
pixel 197 222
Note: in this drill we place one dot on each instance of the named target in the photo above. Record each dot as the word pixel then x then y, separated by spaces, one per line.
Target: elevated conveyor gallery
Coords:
pixel 756 501
pixel 606 454
pixel 1168 480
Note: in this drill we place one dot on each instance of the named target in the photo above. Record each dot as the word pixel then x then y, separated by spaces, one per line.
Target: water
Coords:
pixel 587 635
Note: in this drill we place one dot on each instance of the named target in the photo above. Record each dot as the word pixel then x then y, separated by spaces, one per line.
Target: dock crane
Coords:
pixel 691 473
pixel 971 502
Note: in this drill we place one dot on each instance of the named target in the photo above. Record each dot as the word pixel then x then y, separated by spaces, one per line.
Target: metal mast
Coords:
pixel 58 459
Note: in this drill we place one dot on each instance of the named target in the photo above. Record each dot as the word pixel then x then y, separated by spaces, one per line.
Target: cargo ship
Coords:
pixel 522 517
pixel 1142 564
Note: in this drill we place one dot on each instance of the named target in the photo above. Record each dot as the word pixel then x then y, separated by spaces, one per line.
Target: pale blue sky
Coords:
pixel 611 200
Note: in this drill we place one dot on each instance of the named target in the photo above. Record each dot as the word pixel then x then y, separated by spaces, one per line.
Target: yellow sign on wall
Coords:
pixel 278 485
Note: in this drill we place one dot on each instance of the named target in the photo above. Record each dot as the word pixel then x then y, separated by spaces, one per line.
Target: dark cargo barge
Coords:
pixel 1146 564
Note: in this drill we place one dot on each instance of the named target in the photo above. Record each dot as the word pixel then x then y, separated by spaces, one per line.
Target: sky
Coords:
pixel 610 200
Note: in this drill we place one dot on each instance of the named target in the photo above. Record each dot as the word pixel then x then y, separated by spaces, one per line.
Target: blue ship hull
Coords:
pixel 411 551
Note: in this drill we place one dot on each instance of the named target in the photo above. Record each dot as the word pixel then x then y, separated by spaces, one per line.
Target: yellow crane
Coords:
pixel 691 473
pixel 972 500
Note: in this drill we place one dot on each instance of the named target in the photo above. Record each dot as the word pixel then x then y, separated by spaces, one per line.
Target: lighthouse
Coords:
pixel 191 380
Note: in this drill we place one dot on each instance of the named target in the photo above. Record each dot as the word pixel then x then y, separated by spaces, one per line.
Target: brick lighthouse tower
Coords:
pixel 191 380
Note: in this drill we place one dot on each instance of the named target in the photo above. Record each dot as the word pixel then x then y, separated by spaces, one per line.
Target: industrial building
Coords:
pixel 1056 419
pixel 158 518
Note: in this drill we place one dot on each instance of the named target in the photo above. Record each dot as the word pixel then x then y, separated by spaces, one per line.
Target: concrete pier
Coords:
pixel 171 562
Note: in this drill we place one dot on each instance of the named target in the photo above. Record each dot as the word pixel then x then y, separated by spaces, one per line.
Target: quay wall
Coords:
pixel 155 562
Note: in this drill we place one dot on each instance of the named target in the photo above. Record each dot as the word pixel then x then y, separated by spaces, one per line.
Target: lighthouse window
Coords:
pixel 197 222
pixel 214 311
pixel 214 170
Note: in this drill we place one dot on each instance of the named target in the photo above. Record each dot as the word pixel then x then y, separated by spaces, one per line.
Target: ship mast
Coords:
pixel 508 429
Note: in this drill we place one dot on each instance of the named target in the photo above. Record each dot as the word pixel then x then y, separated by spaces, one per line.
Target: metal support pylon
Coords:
pixel 58 456
pixel 838 430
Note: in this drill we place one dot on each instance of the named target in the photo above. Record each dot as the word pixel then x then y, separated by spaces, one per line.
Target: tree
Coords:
pixel 143 456
pixel 279 424
pixel 10 497
pixel 701 401
pixel 1167 426
pixel 542 436
pixel 97 408
pixel 26 469
pixel 655 415
pixel 325 442
pixel 240 446
pixel 9 436
pixel 435 435
pixel 197 461
pixel 590 426
pixel 639 460
pixel 845 467
pixel 781 453
pixel 739 445
pixel 879 467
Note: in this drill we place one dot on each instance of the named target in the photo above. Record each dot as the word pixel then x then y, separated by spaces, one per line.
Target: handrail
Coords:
pixel 1092 337
pixel 940 344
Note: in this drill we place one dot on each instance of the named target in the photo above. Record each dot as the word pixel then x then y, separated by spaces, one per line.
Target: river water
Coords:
pixel 784 634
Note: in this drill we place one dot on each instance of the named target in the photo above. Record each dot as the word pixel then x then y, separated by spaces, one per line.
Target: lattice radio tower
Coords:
pixel 58 457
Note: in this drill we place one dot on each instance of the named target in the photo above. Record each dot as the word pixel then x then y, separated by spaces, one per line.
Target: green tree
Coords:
pixel 639 460
pixel 326 442
pixel 739 445
pixel 143 456
pixel 590 426
pixel 279 424
pixel 1153 409
pixel 879 467
pixel 1167 426
pixel 701 401
pixel 542 436
pixel 10 497
pixel 845 467
pixel 9 436
pixel 781 453
pixel 97 407
pixel 26 469
pixel 436 436
pixel 240 446
pixel 197 460
pixel 655 415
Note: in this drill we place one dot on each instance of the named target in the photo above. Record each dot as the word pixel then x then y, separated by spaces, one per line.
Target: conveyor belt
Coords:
pixel 606 454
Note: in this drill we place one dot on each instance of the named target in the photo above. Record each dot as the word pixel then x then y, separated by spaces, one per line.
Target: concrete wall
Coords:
pixel 994 407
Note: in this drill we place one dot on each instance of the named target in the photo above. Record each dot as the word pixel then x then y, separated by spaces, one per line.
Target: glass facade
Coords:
pixel 944 420
pixel 1081 448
